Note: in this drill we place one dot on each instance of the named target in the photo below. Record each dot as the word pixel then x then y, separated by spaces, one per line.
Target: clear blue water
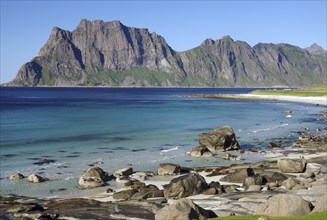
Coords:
pixel 77 127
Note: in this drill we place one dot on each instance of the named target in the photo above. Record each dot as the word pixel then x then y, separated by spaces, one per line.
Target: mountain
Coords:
pixel 101 53
pixel 316 49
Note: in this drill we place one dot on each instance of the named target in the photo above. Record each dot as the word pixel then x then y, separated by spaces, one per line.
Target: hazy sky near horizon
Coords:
pixel 26 25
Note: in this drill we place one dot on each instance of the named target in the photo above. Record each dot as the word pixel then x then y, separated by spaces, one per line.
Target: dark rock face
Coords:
pixel 187 185
pixel 111 54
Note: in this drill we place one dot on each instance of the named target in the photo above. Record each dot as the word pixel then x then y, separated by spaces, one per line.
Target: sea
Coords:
pixel 58 133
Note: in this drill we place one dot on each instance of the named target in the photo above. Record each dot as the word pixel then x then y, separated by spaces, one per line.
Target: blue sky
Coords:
pixel 26 25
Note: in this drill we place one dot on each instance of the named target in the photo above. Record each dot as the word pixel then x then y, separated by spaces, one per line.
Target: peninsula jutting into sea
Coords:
pixel 110 54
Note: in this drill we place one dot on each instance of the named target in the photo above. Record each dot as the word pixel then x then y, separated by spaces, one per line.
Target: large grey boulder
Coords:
pixel 285 205
pixel 291 165
pixel 184 209
pixel 219 139
pixel 321 204
pixel 187 185
pixel 238 176
pixel 92 178
pixel 169 169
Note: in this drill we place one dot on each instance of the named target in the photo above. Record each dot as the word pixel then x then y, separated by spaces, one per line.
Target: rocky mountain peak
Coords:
pixel 316 49
pixel 208 42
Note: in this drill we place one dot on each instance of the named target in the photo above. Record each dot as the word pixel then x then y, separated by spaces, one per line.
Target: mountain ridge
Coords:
pixel 99 53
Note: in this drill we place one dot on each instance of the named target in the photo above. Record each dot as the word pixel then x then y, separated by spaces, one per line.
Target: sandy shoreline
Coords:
pixel 321 100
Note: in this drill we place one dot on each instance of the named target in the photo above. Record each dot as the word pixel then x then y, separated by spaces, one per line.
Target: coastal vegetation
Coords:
pixel 312 216
pixel 312 90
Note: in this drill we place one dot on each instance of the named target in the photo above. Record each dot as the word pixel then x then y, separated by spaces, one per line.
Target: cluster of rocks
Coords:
pixel 33 178
pixel 283 187
pixel 215 141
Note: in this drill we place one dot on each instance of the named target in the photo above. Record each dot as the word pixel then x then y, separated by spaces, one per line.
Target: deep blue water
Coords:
pixel 76 127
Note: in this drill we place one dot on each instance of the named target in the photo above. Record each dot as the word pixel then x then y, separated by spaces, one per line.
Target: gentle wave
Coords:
pixel 168 150
pixel 271 128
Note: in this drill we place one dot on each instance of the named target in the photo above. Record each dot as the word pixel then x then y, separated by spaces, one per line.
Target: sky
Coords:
pixel 26 25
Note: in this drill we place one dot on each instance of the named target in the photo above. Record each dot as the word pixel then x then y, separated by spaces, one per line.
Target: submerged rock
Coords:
pixel 16 176
pixel 184 209
pixel 34 178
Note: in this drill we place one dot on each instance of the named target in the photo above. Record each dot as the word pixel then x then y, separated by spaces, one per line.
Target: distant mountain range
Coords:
pixel 99 53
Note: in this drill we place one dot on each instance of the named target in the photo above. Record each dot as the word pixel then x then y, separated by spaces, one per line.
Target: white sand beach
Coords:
pixel 321 100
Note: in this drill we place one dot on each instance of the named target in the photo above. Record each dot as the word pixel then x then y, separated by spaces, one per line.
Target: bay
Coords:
pixel 75 128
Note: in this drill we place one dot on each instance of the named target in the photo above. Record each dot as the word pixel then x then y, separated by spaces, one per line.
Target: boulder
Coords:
pixel 187 185
pixel 290 183
pixel 169 169
pixel 34 178
pixel 184 209
pixel 125 172
pixel 273 177
pixel 96 172
pixel 124 195
pixel 220 139
pixel 321 204
pixel 285 205
pixel 92 178
pixel 291 165
pixel 256 179
pixel 200 151
pixel 16 176
pixel 135 184
pixel 238 176
pixel 146 194
pixel 210 191
pixel 254 188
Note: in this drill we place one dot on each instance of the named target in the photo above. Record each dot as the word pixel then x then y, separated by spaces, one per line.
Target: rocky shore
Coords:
pixel 290 181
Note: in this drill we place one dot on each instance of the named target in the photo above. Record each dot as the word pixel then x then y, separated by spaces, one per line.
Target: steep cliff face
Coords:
pixel 101 53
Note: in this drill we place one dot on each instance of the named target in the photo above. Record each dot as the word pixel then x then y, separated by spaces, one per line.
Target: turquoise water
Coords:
pixel 78 127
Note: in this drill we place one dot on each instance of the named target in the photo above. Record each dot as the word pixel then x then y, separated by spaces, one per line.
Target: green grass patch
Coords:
pixel 313 216
pixel 293 92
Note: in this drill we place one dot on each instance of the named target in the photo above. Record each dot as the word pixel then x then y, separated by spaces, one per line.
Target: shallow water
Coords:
pixel 75 128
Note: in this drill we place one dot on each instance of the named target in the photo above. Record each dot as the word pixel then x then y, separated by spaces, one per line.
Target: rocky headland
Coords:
pixel 291 181
pixel 99 53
